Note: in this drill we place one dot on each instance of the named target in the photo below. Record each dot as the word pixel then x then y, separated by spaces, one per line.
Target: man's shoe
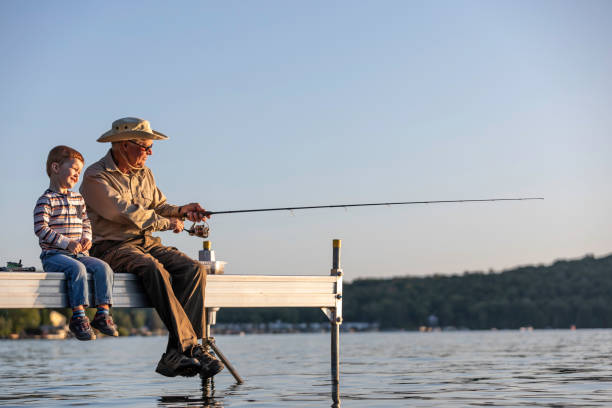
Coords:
pixel 174 363
pixel 210 364
pixel 104 323
pixel 79 326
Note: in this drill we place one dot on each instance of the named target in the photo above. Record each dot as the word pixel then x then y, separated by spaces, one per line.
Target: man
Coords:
pixel 125 207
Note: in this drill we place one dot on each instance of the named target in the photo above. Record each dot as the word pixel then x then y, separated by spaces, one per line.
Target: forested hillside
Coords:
pixel 566 293
pixel 577 292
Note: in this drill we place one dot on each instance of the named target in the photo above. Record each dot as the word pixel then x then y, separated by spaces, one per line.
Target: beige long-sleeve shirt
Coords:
pixel 124 206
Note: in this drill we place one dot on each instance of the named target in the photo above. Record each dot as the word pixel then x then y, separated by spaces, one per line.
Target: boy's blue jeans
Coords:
pixel 76 267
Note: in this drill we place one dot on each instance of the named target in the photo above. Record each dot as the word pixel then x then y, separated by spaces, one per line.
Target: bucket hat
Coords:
pixel 130 129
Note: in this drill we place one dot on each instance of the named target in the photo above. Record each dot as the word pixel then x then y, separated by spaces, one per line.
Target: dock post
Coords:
pixel 336 321
pixel 208 341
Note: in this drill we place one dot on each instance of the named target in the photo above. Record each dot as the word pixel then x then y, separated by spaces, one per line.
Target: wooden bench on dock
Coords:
pixel 48 290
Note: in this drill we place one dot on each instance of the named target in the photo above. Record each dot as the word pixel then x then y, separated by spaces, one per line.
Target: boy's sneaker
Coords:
pixel 210 364
pixel 174 363
pixel 79 326
pixel 104 323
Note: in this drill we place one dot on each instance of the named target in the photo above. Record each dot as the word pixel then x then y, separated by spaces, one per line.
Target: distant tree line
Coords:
pixel 19 320
pixel 577 292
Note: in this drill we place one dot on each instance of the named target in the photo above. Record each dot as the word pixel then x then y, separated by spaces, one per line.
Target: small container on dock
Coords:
pixel 206 256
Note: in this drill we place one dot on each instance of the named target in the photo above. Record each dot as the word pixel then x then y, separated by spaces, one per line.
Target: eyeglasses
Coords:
pixel 147 149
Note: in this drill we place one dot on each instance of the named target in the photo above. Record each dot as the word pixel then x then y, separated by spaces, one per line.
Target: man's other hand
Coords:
pixel 176 225
pixel 194 212
pixel 85 244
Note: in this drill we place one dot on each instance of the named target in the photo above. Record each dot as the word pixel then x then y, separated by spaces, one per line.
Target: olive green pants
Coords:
pixel 174 282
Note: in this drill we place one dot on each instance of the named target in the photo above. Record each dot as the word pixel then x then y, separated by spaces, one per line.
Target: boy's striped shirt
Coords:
pixel 60 218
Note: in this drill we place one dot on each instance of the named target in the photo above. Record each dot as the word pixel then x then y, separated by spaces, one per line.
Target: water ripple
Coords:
pixel 554 368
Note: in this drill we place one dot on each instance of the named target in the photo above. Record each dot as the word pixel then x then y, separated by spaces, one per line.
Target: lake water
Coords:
pixel 547 368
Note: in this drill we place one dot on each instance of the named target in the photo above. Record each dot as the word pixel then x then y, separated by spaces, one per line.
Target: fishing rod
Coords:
pixel 202 230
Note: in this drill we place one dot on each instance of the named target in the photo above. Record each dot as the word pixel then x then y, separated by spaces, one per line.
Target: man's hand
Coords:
pixel 74 247
pixel 194 212
pixel 176 225
pixel 85 244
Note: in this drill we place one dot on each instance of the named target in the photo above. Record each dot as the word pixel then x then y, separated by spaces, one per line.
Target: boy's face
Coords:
pixel 67 174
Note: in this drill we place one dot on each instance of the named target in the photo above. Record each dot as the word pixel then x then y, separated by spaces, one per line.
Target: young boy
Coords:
pixel 64 234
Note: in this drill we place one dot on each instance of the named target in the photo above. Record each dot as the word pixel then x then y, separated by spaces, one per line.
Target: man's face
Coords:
pixel 137 151
pixel 67 174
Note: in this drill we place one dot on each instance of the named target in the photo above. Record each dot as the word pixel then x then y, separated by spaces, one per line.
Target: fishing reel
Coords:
pixel 200 230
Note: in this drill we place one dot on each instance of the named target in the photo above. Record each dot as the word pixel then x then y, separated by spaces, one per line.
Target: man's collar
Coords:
pixel 109 163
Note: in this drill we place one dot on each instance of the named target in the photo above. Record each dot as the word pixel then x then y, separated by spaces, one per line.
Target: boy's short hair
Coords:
pixel 59 154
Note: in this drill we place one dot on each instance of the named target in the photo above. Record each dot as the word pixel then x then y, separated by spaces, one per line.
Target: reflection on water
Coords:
pixel 207 400
pixel 535 369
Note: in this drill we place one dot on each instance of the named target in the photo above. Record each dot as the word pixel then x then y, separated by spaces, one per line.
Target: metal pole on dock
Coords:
pixel 209 342
pixel 207 255
pixel 336 321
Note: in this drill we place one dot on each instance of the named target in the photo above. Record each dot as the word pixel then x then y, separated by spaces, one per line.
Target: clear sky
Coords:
pixel 276 103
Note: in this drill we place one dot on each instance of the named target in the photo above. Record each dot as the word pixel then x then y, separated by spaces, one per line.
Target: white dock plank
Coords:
pixel 47 290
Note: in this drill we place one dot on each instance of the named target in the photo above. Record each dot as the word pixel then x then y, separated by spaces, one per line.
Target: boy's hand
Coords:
pixel 176 225
pixel 85 244
pixel 74 247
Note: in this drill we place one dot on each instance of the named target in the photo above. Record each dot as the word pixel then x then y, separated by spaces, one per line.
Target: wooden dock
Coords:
pixel 48 290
